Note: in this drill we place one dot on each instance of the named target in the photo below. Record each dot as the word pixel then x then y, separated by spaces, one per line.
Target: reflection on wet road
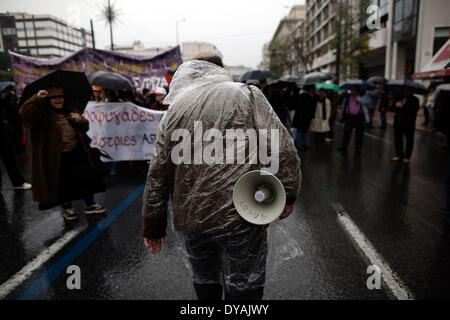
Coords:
pixel 352 213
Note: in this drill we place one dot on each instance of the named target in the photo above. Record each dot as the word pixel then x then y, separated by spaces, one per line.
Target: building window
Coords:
pixel 441 36
pixel 405 19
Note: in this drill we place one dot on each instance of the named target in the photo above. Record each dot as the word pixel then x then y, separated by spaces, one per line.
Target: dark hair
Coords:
pixel 213 59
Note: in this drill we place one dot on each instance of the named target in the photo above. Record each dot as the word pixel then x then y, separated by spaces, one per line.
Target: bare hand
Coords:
pixel 154 245
pixel 287 211
pixel 399 104
pixel 75 116
pixel 42 94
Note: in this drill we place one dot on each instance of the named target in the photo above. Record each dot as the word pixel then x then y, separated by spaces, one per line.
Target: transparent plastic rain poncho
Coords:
pixel 188 196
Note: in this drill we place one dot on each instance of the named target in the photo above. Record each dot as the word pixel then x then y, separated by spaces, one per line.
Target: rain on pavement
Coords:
pixel 398 208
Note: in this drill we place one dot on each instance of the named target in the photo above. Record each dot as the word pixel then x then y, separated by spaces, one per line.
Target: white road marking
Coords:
pixel 12 283
pixel 377 137
pixel 396 286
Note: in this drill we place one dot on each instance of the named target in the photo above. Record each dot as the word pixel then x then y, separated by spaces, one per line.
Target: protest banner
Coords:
pixel 144 72
pixel 122 129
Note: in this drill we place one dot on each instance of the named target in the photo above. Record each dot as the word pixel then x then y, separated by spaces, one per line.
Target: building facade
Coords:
pixel 46 36
pixel 320 17
pixel 284 43
pixel 8 35
pixel 409 33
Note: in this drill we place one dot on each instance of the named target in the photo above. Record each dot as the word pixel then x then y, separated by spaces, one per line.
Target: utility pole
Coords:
pixel 178 21
pixel 92 34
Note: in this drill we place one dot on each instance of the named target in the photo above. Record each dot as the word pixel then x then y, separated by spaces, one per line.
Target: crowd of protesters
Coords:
pixel 308 112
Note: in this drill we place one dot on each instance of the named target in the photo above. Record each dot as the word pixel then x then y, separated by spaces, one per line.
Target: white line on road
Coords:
pixel 7 287
pixel 392 281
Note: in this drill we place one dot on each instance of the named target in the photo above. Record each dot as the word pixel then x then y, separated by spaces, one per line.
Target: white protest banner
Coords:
pixel 122 129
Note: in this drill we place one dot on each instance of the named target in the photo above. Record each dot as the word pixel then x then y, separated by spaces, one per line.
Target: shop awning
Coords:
pixel 435 68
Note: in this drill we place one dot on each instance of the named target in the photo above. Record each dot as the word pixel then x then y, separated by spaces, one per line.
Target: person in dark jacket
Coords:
pixel 63 169
pixel 442 124
pixel 405 108
pixel 9 127
pixel 353 118
pixel 306 106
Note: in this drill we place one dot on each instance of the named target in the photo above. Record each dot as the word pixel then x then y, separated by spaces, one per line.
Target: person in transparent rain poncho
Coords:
pixel 227 254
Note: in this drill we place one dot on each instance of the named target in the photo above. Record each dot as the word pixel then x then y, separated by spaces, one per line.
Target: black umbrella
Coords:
pixel 396 86
pixel 361 84
pixel 377 79
pixel 291 79
pixel 110 80
pixel 257 75
pixel 316 77
pixel 77 90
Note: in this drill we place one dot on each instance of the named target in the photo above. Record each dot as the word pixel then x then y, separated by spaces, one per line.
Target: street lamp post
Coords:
pixel 178 21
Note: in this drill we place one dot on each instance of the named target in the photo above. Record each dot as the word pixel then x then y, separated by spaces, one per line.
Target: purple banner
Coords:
pixel 144 72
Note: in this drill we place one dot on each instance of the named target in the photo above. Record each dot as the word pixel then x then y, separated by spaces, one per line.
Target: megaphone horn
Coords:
pixel 259 197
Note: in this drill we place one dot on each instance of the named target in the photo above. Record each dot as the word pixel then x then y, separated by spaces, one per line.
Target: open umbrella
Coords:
pixel 4 84
pixel 77 90
pixel 257 75
pixel 291 79
pixel 396 86
pixel 316 77
pixel 110 80
pixel 377 79
pixel 328 86
pixel 361 84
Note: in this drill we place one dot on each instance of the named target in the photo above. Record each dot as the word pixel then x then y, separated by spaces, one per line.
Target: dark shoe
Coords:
pixel 342 149
pixel 69 214
pixel 95 209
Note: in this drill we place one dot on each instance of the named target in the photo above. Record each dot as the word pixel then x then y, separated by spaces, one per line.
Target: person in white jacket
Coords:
pixel 320 124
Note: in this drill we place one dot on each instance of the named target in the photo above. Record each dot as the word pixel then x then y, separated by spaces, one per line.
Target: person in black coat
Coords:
pixel 442 124
pixel 304 113
pixel 405 108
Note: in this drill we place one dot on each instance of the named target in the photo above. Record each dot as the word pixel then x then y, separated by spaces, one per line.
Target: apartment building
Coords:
pixel 287 34
pixel 410 33
pixel 46 36
pixel 320 17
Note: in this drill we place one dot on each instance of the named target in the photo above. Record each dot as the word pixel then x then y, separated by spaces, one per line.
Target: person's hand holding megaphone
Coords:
pixel 287 211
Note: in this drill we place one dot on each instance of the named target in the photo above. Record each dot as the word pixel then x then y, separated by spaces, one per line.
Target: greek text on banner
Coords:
pixel 122 129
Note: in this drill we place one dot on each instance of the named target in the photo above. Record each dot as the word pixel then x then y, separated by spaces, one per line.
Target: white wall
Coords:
pixel 432 13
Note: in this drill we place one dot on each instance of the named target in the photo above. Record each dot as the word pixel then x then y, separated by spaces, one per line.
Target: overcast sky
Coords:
pixel 238 28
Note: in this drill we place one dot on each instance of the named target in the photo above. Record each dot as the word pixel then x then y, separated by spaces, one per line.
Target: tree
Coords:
pixel 280 57
pixel 111 15
pixel 289 52
pixel 349 41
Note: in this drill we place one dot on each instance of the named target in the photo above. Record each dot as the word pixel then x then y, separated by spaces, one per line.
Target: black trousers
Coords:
pixel 357 123
pixel 406 132
pixel 7 157
pixel 319 140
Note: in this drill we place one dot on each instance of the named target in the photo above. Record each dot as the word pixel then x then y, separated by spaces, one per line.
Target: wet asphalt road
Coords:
pixel 398 208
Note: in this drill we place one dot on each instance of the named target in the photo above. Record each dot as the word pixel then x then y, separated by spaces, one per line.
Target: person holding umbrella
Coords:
pixel 320 124
pixel 405 108
pixel 353 117
pixel 63 167
pixel 304 113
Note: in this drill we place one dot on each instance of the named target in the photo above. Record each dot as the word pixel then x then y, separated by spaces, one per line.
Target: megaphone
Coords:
pixel 259 197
